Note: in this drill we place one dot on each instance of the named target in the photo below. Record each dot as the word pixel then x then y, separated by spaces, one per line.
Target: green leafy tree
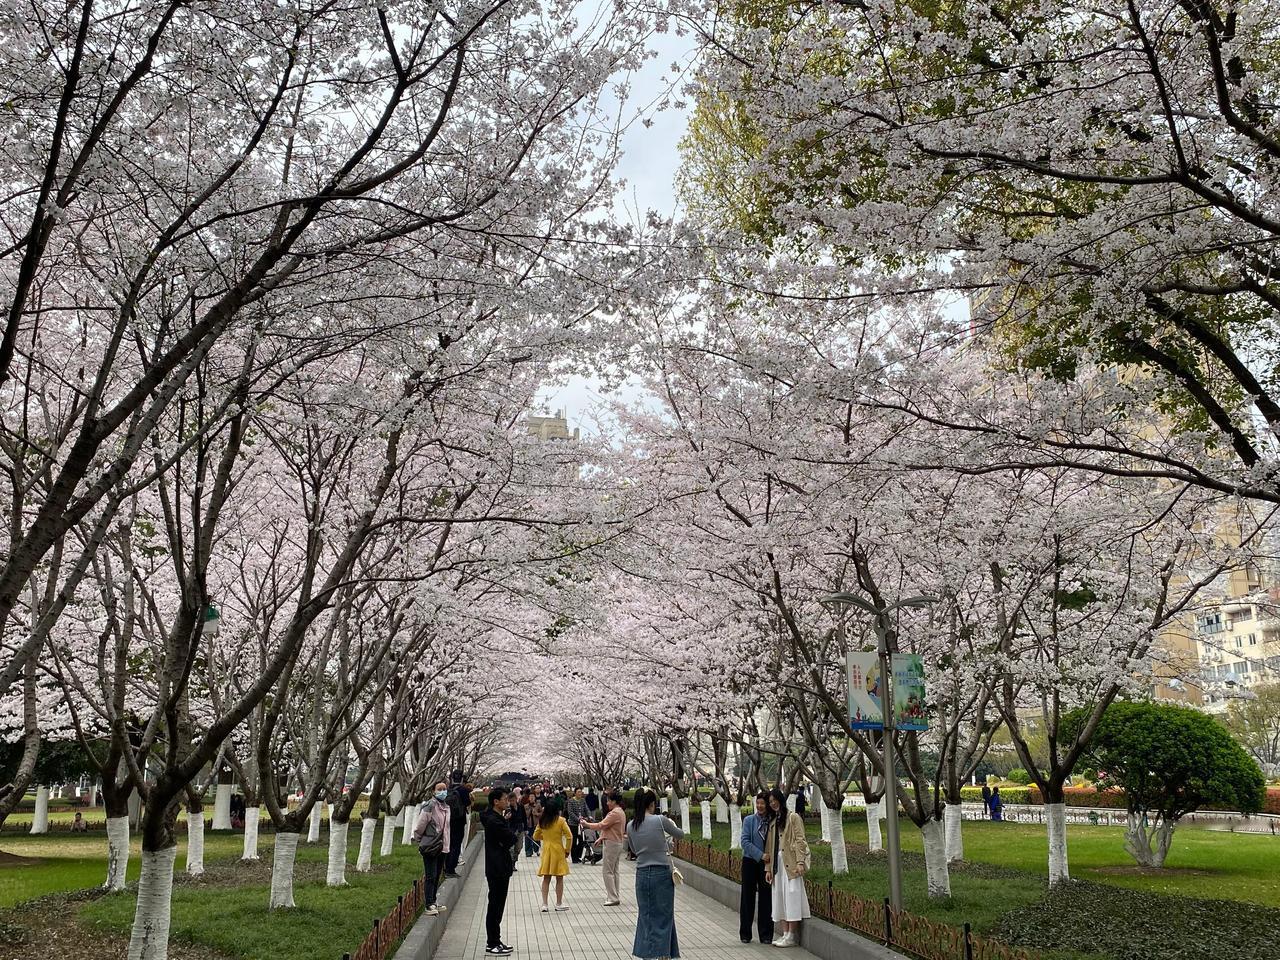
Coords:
pixel 1255 722
pixel 1169 761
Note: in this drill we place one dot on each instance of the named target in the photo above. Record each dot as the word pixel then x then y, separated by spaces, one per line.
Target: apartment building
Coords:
pixel 1238 639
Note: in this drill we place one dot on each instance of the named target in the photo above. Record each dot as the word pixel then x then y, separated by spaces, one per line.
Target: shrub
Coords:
pixel 1019 776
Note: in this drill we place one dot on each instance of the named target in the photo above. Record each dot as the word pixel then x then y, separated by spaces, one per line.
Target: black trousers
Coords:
pixel 432 864
pixel 757 901
pixel 456 830
pixel 575 853
pixel 497 905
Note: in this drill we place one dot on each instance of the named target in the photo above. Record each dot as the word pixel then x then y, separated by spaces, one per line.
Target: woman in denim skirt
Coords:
pixel 655 889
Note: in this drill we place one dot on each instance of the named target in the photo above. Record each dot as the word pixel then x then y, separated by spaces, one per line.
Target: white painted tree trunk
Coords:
pixel 389 835
pixel 706 819
pixel 833 825
pixel 284 856
pixel 251 816
pixel 791 802
pixel 735 827
pixel 313 824
pixel 135 809
pixel 222 807
pixel 1055 815
pixel 368 830
pixel 823 818
pixel 722 810
pixel 337 873
pixel 150 937
pixel 955 831
pixel 686 817
pixel 664 805
pixel 1138 837
pixel 875 842
pixel 410 815
pixel 117 852
pixel 195 843
pixel 935 859
pixel 40 818
pixel 92 796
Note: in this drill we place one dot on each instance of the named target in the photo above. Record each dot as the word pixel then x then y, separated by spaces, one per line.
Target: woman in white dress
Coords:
pixel 786 861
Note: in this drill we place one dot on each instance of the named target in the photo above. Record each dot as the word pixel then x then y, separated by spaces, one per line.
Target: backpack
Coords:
pixel 457 807
pixel 432 840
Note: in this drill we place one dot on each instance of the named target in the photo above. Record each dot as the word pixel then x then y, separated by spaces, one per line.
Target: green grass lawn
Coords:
pixel 234 919
pixel 227 908
pixel 1001 889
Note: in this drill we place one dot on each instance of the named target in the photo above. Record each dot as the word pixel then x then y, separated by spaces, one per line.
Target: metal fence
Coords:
pixel 907 932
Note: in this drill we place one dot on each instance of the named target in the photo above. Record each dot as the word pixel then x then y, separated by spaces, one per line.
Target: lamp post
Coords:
pixel 884 644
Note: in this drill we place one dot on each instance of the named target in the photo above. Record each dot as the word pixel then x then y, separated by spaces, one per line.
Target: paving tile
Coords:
pixel 588 930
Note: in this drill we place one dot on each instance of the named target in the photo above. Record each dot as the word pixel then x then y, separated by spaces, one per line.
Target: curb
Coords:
pixel 824 940
pixel 424 936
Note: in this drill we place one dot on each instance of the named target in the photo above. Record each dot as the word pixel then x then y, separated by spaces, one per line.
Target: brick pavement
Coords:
pixel 588 930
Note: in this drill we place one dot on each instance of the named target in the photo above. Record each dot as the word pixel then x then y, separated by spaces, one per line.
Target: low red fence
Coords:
pixel 907 932
pixel 386 932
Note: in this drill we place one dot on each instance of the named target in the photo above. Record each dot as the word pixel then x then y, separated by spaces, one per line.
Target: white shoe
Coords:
pixel 612 903
pixel 786 940
pixel 545 908
pixel 432 911
pixel 561 907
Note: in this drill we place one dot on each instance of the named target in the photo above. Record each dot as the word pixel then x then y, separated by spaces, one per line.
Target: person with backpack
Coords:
pixel 459 808
pixel 499 841
pixel 431 834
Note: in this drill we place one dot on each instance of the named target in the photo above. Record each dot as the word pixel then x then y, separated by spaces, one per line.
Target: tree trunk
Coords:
pixel 935 859
pixel 735 827
pixel 337 872
pixel 664 804
pixel 1055 815
pixel 284 856
pixel 222 807
pixel 117 852
pixel 686 819
pixel 150 937
pixel 134 808
pixel 389 835
pixel 833 822
pixel 1138 837
pixel 410 814
pixel 722 810
pixel 368 830
pixel 706 819
pixel 955 837
pixel 875 843
pixel 40 818
pixel 313 828
pixel 251 816
pixel 195 840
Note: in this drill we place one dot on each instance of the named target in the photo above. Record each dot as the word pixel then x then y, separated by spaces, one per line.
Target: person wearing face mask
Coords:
pixel 431 834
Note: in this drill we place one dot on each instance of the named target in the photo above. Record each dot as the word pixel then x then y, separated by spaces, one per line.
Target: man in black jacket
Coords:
pixel 459 810
pixel 499 838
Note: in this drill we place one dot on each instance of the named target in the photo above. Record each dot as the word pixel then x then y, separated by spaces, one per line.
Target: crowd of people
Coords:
pixel 562 828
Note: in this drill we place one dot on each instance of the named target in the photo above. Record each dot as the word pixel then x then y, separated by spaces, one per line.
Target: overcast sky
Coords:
pixel 649 164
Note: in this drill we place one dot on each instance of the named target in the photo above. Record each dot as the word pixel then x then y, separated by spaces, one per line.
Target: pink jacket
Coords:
pixel 440 812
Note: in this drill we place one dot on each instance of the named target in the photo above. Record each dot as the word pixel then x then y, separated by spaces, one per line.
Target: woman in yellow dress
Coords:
pixel 554 835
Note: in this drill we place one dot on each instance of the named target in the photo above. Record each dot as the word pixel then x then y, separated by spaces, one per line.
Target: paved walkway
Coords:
pixel 589 931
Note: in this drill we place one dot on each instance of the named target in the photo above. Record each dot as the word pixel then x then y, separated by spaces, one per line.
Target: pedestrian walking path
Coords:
pixel 588 930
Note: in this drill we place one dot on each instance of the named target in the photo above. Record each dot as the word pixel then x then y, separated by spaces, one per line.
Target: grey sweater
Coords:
pixel 649 843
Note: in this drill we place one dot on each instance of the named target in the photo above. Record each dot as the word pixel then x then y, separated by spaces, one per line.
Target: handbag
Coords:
pixel 676 876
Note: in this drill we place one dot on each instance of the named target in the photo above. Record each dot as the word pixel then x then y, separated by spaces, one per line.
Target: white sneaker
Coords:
pixel 432 911
pixel 561 907
pixel 545 908
pixel 786 940
pixel 612 903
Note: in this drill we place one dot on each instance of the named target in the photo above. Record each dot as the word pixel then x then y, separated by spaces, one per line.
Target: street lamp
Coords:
pixel 883 629
pixel 211 620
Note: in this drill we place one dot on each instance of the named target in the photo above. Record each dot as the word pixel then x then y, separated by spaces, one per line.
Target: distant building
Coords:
pixel 551 428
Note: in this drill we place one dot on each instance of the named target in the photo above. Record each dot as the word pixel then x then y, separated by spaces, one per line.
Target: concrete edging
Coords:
pixel 824 940
pixel 424 936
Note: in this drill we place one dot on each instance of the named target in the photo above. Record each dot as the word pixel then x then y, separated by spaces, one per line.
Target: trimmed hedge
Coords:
pixel 1089 797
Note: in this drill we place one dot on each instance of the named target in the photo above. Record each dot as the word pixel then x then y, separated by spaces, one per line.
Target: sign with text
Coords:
pixel 863 673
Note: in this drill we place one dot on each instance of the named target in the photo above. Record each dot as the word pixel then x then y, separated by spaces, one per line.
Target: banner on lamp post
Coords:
pixel 908 692
pixel 863 673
